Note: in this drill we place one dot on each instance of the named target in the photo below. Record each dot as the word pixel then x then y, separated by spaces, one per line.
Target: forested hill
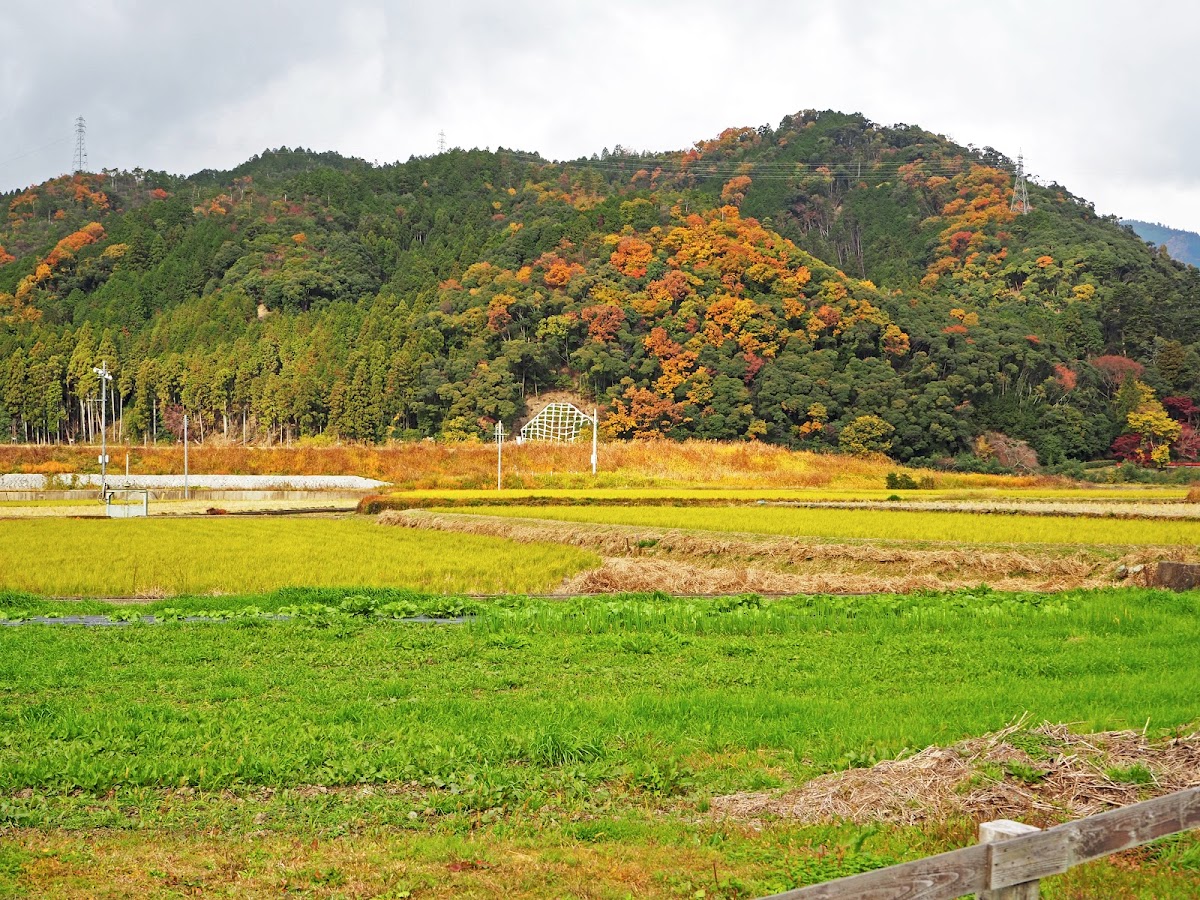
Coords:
pixel 830 282
pixel 1181 245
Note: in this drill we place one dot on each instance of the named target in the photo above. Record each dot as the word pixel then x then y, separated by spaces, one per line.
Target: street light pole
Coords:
pixel 499 445
pixel 105 377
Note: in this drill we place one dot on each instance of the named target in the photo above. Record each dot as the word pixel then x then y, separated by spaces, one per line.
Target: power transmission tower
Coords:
pixel 1020 197
pixel 441 142
pixel 80 162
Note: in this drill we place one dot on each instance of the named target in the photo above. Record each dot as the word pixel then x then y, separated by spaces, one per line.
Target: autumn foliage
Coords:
pixel 773 283
pixel 72 243
pixel 632 256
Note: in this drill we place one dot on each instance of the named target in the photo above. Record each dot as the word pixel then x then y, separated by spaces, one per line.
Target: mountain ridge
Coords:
pixel 830 283
pixel 1182 245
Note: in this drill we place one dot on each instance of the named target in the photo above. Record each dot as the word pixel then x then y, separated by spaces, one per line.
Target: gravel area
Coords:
pixel 17 482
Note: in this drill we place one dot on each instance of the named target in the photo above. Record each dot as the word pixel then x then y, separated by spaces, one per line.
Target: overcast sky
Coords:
pixel 1099 95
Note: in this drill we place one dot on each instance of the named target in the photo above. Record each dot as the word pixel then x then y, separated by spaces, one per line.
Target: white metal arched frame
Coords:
pixel 561 423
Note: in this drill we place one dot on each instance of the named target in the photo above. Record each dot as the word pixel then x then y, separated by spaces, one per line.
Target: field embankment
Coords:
pixel 1111 502
pixel 696 550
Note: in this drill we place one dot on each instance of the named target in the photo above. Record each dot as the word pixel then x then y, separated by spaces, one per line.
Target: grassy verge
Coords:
pixel 147 557
pixel 368 847
pixel 877 524
pixel 545 749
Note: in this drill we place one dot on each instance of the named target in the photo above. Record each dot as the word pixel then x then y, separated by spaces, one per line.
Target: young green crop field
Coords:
pixel 540 748
pixel 874 524
pixel 225 554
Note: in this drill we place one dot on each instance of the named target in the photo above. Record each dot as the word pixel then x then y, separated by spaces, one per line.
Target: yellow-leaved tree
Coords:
pixel 866 435
pixel 1152 425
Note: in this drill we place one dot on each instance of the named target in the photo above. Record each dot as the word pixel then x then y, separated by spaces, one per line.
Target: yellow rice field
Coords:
pixel 878 524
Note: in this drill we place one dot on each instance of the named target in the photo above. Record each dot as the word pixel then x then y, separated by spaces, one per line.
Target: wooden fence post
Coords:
pixel 1002 830
pixel 1011 859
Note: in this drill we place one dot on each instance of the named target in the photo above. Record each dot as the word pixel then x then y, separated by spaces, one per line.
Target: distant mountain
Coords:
pixel 1183 246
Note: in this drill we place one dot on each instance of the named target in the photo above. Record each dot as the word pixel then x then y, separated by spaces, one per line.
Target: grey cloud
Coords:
pixel 1097 94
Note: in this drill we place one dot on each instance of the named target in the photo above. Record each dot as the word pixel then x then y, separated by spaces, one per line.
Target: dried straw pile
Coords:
pixel 992 777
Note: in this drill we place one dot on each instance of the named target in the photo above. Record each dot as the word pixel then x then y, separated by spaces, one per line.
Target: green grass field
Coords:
pixel 542 742
pixel 605 684
pixel 151 557
pixel 874 524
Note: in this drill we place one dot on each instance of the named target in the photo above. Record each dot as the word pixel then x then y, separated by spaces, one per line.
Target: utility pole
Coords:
pixel 1020 197
pixel 105 377
pixel 79 163
pixel 185 459
pixel 595 436
pixel 499 446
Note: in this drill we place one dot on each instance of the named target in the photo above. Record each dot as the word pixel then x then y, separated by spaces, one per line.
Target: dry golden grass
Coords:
pixel 622 575
pixel 431 465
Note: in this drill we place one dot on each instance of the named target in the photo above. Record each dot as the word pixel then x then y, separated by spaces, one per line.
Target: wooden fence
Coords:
pixel 1011 858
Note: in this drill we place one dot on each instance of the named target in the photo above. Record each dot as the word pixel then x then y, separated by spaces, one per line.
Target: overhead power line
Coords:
pixel 53 143
pixel 758 170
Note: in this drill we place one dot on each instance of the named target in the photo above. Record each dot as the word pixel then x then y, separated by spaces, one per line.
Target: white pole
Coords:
pixel 103 432
pixel 104 377
pixel 595 435
pixel 185 459
pixel 499 445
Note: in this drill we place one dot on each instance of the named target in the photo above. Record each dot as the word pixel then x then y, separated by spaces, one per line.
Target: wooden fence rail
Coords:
pixel 1012 858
